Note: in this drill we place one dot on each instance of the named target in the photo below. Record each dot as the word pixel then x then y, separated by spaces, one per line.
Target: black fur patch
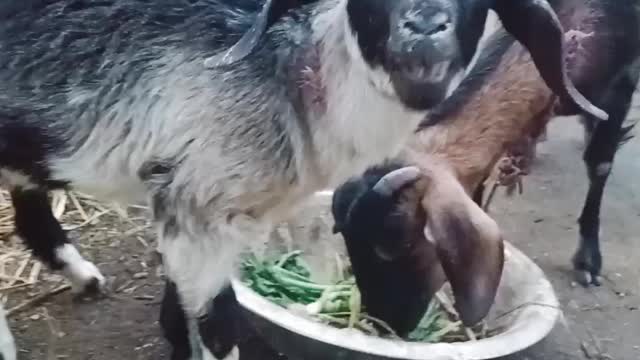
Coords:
pixel 218 329
pixel 37 226
pixel 472 15
pixel 369 19
pixel 25 145
pixel 345 195
pixel 173 321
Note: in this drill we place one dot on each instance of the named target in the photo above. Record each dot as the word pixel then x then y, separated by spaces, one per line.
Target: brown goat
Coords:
pixel 473 138
pixel 454 155
pixel 500 108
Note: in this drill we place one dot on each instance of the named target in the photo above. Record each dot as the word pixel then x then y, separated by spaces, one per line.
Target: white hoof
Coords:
pixel 85 277
pixel 83 274
pixel 233 355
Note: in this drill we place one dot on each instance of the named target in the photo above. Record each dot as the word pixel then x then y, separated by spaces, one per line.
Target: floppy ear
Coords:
pixel 535 25
pixel 342 201
pixel 271 12
pixel 469 246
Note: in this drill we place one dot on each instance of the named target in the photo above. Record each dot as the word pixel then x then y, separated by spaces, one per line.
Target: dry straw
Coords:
pixel 19 270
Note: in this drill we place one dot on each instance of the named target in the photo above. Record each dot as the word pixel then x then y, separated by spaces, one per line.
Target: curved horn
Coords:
pixel 397 179
pixel 271 12
pixel 247 42
pixel 535 25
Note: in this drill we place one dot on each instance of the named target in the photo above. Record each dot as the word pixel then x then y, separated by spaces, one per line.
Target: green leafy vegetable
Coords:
pixel 287 281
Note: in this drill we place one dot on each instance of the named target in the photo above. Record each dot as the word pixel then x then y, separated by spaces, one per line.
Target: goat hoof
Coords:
pixel 587 263
pixel 234 354
pixel 86 280
pixel 586 279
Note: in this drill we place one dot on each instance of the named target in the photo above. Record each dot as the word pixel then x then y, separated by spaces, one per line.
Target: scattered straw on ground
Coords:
pixel 19 269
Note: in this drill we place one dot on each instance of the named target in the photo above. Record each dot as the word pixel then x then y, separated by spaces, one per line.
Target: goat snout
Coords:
pixel 437 25
pixel 424 53
pixel 423 45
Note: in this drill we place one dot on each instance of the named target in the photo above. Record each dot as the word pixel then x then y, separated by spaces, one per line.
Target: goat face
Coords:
pixel 407 231
pixel 423 44
pixel 413 41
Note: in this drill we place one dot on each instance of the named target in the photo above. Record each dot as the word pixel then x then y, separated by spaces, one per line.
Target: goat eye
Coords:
pixel 154 168
pixel 159 169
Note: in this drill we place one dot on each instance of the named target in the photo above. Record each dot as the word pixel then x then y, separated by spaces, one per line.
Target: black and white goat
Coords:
pixel 137 100
pixel 501 100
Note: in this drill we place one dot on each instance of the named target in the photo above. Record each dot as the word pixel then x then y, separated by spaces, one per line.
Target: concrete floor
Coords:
pixel 600 323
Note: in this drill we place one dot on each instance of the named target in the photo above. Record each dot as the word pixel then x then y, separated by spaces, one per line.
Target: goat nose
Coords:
pixel 430 26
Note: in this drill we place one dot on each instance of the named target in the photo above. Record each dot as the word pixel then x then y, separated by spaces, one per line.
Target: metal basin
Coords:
pixel 525 310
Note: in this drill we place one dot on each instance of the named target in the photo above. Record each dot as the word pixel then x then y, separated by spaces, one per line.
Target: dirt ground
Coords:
pixel 601 323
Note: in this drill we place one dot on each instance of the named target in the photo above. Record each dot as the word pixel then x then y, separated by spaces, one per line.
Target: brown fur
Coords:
pixel 475 138
pixel 459 236
pixel 456 156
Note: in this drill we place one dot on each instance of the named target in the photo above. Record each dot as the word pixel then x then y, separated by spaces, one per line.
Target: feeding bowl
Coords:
pixel 525 310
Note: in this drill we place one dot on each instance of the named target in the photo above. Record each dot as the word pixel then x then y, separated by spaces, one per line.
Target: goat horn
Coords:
pixel 396 179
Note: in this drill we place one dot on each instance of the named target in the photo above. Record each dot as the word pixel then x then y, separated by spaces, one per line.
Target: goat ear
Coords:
pixel 470 249
pixel 271 12
pixel 343 199
pixel 535 25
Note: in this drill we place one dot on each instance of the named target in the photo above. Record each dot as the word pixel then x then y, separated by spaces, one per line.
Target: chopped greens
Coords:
pixel 287 281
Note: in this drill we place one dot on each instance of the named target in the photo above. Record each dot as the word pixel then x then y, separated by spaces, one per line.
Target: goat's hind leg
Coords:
pixel 200 312
pixel 604 141
pixel 43 234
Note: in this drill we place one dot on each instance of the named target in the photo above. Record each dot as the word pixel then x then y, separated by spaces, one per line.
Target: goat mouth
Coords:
pixel 421 86
pixel 422 73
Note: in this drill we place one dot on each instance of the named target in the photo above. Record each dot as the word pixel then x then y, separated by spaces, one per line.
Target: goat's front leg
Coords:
pixel 43 234
pixel 604 142
pixel 200 313
pixel 199 310
pixel 210 336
